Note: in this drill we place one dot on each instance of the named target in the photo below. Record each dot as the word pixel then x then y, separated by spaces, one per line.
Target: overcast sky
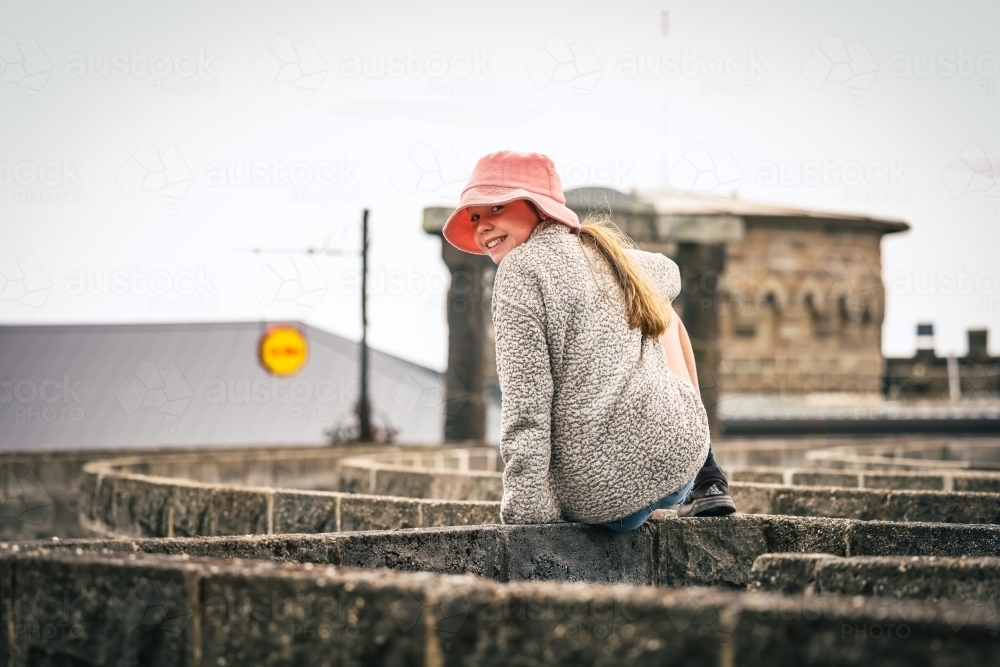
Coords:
pixel 144 146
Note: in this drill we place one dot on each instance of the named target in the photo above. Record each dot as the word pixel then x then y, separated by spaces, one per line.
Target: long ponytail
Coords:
pixel 645 308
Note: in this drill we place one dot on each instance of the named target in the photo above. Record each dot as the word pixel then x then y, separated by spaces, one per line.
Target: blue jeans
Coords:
pixel 636 519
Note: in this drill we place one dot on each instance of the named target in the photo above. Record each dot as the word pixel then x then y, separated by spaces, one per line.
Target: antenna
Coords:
pixel 363 407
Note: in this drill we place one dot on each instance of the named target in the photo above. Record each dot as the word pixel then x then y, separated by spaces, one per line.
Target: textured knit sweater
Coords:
pixel 594 425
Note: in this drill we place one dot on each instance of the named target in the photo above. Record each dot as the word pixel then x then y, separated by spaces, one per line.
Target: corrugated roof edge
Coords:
pixel 312 332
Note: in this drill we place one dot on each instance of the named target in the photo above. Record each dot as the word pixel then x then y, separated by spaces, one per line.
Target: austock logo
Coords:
pixel 150 387
pixel 24 281
pixel 155 603
pixel 23 498
pixel 23 64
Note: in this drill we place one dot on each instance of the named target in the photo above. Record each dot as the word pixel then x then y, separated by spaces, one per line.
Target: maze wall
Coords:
pixel 396 556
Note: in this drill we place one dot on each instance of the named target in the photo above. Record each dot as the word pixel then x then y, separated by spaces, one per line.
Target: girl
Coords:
pixel 601 419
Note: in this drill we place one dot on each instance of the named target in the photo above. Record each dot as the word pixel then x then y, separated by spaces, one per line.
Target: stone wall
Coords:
pixel 217 564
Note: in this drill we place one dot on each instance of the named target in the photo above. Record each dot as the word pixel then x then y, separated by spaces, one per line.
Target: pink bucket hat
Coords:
pixel 499 178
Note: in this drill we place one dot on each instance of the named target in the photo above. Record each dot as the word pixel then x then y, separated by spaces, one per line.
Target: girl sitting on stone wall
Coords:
pixel 601 418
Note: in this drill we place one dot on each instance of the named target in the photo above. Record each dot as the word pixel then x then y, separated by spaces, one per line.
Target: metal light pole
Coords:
pixel 364 409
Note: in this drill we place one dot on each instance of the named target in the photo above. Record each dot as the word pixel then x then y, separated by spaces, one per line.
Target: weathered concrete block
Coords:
pixel 753 498
pixel 92 610
pixel 709 552
pixel 142 507
pixel 874 480
pixel 6 606
pixel 542 624
pixel 469 487
pixel 968 581
pixel 846 480
pixel 578 552
pixel 264 614
pixel 403 483
pixel 102 505
pixel 305 512
pixel 443 550
pixel 973 483
pixel 218 510
pixel 819 630
pixel 756 476
pixel 354 479
pixel 880 538
pixel 807 534
pixel 378 513
pixel 942 507
pixel 862 504
pixel 449 513
pixel 791 574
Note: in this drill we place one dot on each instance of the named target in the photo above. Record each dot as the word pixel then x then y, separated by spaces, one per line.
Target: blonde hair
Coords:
pixel 645 308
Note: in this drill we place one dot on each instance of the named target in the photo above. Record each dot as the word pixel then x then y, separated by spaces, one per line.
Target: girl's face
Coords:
pixel 510 223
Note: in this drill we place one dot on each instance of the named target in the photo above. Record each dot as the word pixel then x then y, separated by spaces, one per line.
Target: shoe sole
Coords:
pixel 713 506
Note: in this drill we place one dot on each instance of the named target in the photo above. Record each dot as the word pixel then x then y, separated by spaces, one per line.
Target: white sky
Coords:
pixel 829 90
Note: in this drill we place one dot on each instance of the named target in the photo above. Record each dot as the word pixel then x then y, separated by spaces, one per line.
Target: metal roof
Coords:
pixel 667 203
pixel 68 387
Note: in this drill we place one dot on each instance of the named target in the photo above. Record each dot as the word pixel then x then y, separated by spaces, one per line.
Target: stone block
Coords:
pixel 786 534
pixel 974 483
pixel 403 483
pixel 823 501
pixel 93 610
pixel 882 538
pixel 709 551
pixel 443 550
pixel 846 480
pixel 942 507
pixel 354 479
pixel 205 510
pixel 304 512
pixel 900 481
pixel 469 513
pixel 819 630
pixel 7 601
pixel 102 505
pixel 968 581
pixel 142 507
pixel 264 614
pixel 469 487
pixel 752 498
pixel 281 548
pixel 790 574
pixel 540 624
pixel 378 513
pixel 579 552
pixel 757 476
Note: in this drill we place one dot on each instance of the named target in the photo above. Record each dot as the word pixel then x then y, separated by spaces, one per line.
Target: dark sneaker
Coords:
pixel 710 495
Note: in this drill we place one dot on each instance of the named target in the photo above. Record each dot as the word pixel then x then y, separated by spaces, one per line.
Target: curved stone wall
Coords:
pixel 152 497
pixel 835 560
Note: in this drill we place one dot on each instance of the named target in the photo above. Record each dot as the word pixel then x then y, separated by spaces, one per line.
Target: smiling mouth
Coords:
pixel 495 242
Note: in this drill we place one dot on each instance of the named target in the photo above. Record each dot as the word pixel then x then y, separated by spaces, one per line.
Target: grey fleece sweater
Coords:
pixel 594 425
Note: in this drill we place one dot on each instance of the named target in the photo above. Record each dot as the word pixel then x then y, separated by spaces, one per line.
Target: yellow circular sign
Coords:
pixel 283 350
